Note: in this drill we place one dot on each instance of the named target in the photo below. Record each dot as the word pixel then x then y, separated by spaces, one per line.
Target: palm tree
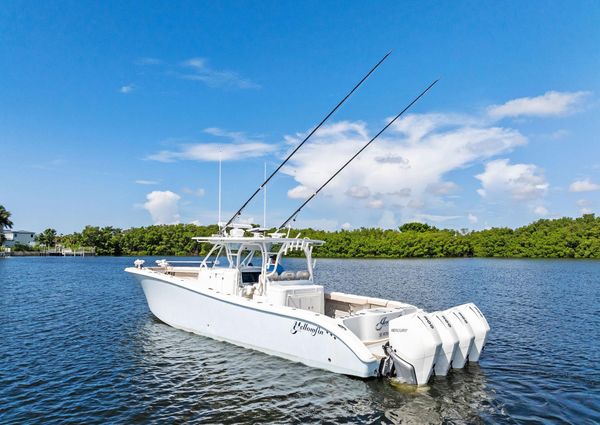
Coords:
pixel 4 222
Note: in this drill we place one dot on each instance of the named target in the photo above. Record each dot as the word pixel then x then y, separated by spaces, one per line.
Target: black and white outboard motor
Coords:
pixel 422 344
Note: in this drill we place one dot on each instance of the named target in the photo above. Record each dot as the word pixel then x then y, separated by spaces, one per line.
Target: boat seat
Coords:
pixel 347 298
pixel 378 301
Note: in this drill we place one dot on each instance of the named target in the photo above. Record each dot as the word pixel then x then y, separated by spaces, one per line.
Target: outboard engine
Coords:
pixel 466 337
pixel 414 345
pixel 479 325
pixel 450 342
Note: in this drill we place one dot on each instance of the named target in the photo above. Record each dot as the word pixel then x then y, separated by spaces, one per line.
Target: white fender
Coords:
pixel 479 326
pixel 465 334
pixel 450 341
pixel 414 343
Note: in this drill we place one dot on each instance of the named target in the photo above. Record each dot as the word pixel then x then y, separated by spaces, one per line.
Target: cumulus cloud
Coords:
pixel 551 103
pixel 540 210
pixel 127 89
pixel 405 167
pixel 522 182
pixel 238 148
pixel 198 70
pixel 300 192
pixel 393 159
pixel 163 206
pixel 346 226
pixel 584 185
pixel 359 192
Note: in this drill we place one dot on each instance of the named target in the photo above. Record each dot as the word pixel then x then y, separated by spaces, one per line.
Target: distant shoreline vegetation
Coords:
pixel 556 238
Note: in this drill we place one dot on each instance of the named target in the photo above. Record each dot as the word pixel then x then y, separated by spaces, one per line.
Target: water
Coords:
pixel 78 345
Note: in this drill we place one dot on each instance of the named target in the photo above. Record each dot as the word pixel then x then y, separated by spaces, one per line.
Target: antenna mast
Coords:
pixel 219 221
pixel 295 213
pixel 239 211
pixel 265 199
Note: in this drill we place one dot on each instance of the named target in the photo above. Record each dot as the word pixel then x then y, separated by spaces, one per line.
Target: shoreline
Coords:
pixel 20 255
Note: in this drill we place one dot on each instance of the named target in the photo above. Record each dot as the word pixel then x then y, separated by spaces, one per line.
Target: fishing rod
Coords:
pixel 295 213
pixel 239 212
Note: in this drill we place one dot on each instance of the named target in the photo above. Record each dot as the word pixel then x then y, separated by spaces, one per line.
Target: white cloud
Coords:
pixel 346 226
pixel 551 103
pixel 239 148
pixel 393 159
pixel 163 206
pixel 146 182
pixel 540 210
pixel 127 89
pixel 375 203
pixel 522 182
pixel 404 192
pixel 429 145
pixel 200 71
pixel 359 192
pixel 586 211
pixel 584 185
pixel 200 192
pixel 472 218
pixel 300 192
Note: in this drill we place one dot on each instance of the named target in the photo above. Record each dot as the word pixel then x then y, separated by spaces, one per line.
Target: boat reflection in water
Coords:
pixel 199 378
pixel 461 397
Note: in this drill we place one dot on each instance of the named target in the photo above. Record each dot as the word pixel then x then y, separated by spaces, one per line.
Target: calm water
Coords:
pixel 78 345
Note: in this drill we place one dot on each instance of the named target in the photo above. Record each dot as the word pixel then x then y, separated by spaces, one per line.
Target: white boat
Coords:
pixel 239 294
pixel 250 300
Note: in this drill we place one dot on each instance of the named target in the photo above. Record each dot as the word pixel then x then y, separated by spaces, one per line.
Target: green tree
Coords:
pixel 5 222
pixel 46 238
pixel 417 227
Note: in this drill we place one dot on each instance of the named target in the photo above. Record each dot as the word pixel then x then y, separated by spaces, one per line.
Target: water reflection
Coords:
pixel 199 372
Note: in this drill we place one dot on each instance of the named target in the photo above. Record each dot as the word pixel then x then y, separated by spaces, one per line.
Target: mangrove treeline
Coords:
pixel 557 238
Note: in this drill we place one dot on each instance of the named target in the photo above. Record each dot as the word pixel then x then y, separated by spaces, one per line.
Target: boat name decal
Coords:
pixel 306 327
pixel 382 323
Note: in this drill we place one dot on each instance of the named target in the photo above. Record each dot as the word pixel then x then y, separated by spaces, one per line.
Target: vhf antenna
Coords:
pixel 239 212
pixel 295 213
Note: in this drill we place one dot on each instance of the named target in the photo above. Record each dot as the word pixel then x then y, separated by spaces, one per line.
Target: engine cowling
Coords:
pixel 414 345
pixel 479 325
pixel 450 341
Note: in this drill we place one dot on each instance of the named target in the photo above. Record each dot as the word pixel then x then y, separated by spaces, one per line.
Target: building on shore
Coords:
pixel 14 237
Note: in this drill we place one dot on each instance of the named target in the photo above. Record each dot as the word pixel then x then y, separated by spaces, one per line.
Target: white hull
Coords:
pixel 287 315
pixel 302 336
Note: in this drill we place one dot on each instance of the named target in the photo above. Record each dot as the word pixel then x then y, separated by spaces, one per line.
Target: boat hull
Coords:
pixel 309 338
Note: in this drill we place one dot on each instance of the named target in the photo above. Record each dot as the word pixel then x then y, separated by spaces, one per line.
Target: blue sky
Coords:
pixel 113 113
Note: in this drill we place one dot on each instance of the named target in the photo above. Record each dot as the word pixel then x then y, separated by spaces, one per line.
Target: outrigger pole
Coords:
pixel 239 212
pixel 295 213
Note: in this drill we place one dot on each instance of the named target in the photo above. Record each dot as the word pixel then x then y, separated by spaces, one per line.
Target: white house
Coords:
pixel 13 237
